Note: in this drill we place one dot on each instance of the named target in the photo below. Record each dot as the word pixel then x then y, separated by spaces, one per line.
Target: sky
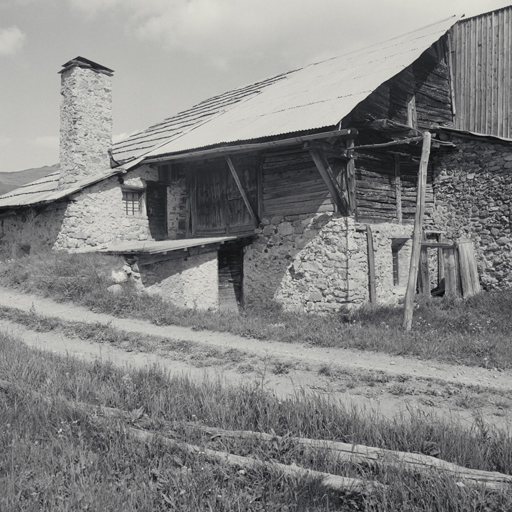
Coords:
pixel 171 54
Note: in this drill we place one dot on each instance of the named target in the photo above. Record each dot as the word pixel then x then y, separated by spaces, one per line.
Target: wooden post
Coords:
pixel 371 265
pixel 398 190
pixel 424 273
pixel 440 261
pixel 450 273
pixel 351 178
pixel 416 240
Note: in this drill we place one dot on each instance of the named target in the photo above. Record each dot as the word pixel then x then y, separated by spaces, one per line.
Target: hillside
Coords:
pixel 11 180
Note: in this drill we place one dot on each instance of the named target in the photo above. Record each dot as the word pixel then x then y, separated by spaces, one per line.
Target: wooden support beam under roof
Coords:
pixel 242 191
pixel 254 146
pixel 341 201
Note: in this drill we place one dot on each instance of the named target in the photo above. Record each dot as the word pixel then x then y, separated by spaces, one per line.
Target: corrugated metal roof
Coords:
pixel 163 246
pixel 45 190
pixel 316 96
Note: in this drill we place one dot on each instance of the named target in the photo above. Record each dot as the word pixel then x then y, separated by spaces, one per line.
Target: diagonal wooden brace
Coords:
pixel 242 191
pixel 330 180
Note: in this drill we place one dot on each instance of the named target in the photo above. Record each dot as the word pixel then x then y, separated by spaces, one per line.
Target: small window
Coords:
pixel 396 266
pixel 132 202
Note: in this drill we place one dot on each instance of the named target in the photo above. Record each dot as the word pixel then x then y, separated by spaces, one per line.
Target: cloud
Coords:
pixel 4 141
pixel 11 40
pixel 47 141
pixel 228 33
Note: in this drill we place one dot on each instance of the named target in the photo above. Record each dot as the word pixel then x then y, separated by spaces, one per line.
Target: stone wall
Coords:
pixel 473 201
pixel 31 230
pixel 96 216
pixel 319 263
pixel 189 282
pixel 85 123
pixel 93 218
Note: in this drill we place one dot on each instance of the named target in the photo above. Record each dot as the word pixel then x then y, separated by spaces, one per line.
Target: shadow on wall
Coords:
pixel 301 262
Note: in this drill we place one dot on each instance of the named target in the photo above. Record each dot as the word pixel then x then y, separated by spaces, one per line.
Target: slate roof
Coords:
pixel 314 97
pixel 44 190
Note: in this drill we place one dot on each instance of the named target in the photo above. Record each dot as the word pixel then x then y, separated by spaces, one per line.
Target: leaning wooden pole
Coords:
pixel 416 239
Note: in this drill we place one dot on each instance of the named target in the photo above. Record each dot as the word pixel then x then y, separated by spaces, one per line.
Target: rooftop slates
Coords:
pixel 314 97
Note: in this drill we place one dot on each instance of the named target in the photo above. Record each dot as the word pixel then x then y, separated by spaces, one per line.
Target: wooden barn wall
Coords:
pixel 292 185
pixel 378 179
pixel 428 79
pixel 482 73
pixel 216 205
pixel 375 187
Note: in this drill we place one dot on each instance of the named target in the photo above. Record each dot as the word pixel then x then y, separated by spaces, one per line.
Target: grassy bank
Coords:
pixel 474 332
pixel 55 457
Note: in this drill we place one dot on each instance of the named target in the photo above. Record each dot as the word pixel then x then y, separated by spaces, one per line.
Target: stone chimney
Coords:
pixel 85 120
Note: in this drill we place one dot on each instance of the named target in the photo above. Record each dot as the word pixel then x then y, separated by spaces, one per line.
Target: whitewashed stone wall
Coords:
pixel 320 263
pixel 95 217
pixel 30 230
pixel 191 282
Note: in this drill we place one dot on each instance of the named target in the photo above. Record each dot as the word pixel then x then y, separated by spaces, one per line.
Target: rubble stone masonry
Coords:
pixel 85 123
pixel 319 263
pixel 473 201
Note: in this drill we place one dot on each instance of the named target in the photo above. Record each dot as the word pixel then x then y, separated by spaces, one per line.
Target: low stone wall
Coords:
pixel 319 263
pixel 473 201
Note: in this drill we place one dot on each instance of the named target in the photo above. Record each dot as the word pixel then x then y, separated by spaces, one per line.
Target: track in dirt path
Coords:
pixel 374 381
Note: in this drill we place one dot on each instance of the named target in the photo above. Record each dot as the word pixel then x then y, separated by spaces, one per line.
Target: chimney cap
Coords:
pixel 85 63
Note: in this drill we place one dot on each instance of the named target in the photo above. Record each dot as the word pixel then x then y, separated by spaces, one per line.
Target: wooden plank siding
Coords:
pixel 292 184
pixel 482 73
pixel 216 205
pixel 427 79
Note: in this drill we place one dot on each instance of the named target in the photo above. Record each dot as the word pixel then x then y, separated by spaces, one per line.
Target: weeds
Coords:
pixel 56 458
pixel 473 332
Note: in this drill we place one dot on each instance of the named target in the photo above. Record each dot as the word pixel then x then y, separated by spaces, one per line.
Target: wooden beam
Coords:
pixel 330 180
pixel 242 191
pixel 371 265
pixel 398 190
pixel 327 149
pixel 351 178
pixel 387 144
pixel 255 146
pixel 416 240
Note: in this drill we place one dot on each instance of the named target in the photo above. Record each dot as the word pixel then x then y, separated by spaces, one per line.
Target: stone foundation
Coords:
pixel 473 191
pixel 189 283
pixel 320 263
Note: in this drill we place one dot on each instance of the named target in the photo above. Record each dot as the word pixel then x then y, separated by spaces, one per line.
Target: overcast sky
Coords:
pixel 170 54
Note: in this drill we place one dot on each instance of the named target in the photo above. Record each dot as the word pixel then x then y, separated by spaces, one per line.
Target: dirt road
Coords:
pixel 388 385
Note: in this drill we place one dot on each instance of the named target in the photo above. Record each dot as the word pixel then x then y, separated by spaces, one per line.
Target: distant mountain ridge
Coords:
pixel 11 180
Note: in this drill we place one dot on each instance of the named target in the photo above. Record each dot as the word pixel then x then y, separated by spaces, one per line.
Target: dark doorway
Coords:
pixel 156 206
pixel 231 277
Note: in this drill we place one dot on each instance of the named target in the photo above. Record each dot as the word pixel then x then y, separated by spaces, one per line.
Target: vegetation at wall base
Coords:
pixel 55 456
pixel 472 332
